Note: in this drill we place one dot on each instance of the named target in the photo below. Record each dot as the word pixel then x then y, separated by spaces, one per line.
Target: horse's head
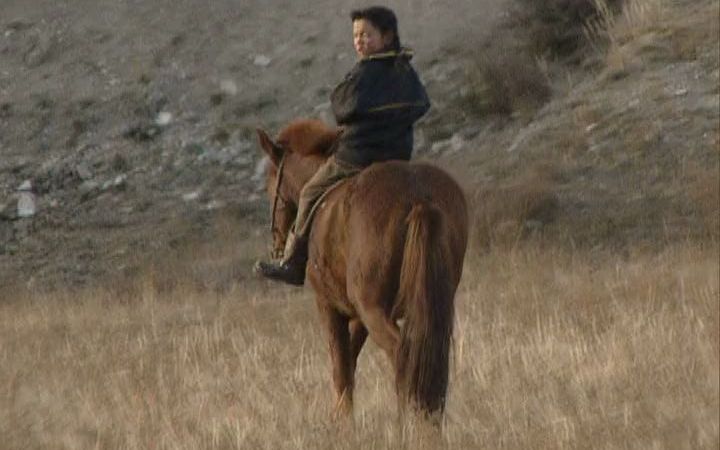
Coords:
pixel 300 148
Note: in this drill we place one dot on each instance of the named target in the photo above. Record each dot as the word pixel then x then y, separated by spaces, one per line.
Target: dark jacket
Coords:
pixel 377 104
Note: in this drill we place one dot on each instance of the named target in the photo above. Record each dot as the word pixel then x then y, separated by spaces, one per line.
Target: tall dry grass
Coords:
pixel 553 349
pixel 618 36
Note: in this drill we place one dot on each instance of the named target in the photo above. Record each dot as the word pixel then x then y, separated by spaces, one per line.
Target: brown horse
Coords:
pixel 386 247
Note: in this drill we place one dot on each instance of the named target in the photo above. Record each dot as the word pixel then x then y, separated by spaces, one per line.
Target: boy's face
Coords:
pixel 367 39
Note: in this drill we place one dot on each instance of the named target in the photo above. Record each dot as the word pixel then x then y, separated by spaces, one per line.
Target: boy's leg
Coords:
pixel 327 175
pixel 292 267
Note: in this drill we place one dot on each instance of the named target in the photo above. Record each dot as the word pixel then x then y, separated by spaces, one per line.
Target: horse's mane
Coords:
pixel 308 137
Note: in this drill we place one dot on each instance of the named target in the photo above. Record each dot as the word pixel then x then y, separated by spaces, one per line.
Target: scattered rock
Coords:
pixel 191 196
pixel 88 189
pixel 26 206
pixel 119 182
pixel 262 61
pixel 228 87
pixel 163 119
pixel 452 145
pixel 25 186
pixel 83 172
pixel 214 204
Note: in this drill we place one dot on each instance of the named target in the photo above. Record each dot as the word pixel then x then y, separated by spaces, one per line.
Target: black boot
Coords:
pixel 291 269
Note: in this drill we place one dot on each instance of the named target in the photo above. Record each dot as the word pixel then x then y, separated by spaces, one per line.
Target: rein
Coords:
pixel 280 173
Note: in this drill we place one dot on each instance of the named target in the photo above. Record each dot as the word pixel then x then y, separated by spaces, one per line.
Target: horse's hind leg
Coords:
pixel 382 330
pixel 358 335
pixel 342 357
pixel 371 301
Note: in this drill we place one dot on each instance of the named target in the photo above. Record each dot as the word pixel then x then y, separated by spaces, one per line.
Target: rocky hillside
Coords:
pixel 126 127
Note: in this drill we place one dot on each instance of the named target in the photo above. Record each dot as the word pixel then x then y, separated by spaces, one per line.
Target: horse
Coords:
pixel 386 251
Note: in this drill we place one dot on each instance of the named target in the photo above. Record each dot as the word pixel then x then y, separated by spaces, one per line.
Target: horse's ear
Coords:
pixel 274 151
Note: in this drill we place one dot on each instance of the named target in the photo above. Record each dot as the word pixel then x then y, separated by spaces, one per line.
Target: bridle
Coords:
pixel 277 252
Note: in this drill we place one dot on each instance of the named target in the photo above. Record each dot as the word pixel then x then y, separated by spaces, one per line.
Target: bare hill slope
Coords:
pixel 133 122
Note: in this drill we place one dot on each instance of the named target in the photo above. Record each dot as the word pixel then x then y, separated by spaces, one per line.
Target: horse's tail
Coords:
pixel 426 296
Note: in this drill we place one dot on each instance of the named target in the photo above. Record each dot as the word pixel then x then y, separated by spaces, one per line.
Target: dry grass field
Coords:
pixel 553 348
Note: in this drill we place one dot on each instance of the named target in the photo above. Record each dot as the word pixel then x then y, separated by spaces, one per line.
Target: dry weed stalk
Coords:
pixel 608 33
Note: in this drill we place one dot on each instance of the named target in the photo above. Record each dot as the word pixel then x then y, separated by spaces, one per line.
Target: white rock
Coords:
pixel 260 170
pixel 214 204
pixel 25 186
pixel 83 172
pixel 190 196
pixel 591 127
pixel 163 118
pixel 262 61
pixel 119 180
pixel 26 205
pixel 89 185
pixel 457 142
pixel 438 146
pixel 228 87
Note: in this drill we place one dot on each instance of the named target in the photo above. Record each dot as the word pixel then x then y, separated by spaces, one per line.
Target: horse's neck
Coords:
pixel 300 170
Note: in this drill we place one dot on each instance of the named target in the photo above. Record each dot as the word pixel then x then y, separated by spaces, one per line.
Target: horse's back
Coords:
pixel 383 195
pixel 394 187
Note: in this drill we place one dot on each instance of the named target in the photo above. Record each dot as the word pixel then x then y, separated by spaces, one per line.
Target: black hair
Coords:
pixel 383 19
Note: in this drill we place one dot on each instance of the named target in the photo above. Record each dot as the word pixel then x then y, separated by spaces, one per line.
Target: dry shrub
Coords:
pixel 556 26
pixel 704 195
pixel 636 17
pixel 506 81
pixel 505 214
pixel 698 28
pixel 622 36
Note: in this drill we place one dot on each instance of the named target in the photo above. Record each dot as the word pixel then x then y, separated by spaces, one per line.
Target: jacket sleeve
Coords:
pixel 345 97
pixel 378 91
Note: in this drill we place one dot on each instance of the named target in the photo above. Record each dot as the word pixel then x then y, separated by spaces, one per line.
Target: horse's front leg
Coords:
pixel 341 355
